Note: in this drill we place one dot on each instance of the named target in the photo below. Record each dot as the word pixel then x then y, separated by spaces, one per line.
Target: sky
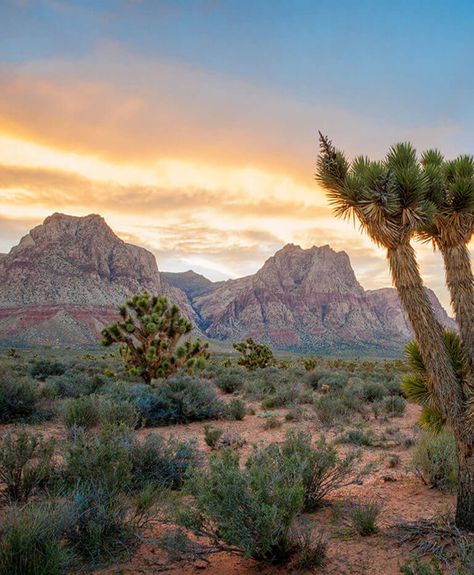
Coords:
pixel 191 125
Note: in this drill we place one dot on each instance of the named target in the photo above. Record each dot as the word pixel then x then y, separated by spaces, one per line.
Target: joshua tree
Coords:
pixel 254 355
pixel 389 198
pixel 451 189
pixel 150 332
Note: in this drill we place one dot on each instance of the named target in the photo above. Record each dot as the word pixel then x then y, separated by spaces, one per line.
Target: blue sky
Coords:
pixel 191 125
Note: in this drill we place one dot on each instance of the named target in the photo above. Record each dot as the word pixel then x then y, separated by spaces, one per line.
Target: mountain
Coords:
pixel 308 300
pixel 191 283
pixel 65 279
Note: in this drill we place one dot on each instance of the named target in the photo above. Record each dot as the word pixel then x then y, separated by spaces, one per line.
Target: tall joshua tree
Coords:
pixel 451 189
pixel 389 199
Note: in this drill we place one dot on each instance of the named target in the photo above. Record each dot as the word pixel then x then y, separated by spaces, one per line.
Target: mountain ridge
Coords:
pixel 66 277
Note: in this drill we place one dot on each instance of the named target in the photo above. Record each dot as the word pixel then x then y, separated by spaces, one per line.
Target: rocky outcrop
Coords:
pixel 308 300
pixel 65 279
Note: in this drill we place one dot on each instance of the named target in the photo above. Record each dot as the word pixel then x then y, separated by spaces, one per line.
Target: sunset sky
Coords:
pixel 191 125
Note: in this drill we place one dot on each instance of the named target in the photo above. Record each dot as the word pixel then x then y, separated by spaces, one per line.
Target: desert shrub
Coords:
pixel 30 542
pixel 394 405
pixel 334 408
pixel 357 437
pixel 369 391
pixel 230 381
pixel 162 462
pixel 102 459
pixel 393 460
pixel 314 377
pixel 25 465
pixel 272 422
pixel 421 567
pixel 230 438
pixel 101 526
pixel 435 460
pixel 236 410
pixel 312 549
pixel 179 399
pixel 212 435
pixel 75 384
pixel 118 413
pixel 295 413
pixel 333 381
pixel 363 516
pixel 319 466
pixel 252 509
pixel 81 413
pixel 18 398
pixel 44 368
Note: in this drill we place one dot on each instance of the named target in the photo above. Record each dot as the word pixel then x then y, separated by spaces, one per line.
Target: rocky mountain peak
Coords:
pixel 313 270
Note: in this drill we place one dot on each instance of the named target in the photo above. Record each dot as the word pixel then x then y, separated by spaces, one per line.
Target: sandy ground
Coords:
pixel 402 493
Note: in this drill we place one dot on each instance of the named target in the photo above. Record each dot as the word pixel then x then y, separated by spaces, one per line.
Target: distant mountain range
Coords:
pixel 65 279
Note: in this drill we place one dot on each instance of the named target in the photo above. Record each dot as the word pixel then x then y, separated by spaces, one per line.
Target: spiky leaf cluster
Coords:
pixel 388 197
pixel 417 387
pixel 150 331
pixel 254 355
pixel 451 189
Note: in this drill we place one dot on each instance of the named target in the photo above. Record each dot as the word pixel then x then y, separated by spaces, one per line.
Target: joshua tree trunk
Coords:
pixel 447 390
pixel 457 264
pixel 428 332
pixel 465 504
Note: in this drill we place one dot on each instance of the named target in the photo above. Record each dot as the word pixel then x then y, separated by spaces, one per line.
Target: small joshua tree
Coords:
pixel 254 355
pixel 150 331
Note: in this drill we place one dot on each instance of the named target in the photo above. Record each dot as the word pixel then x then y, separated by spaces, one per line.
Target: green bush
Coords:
pixel 357 437
pixel 230 381
pixel 236 410
pixel 334 408
pixel 44 368
pixel 179 399
pixel 369 391
pixel 100 527
pixel 319 466
pixel 118 413
pixel 394 405
pixel 252 509
pixel 103 459
pixel 417 567
pixel 162 462
pixel 75 384
pixel 212 435
pixel 81 413
pixel 435 459
pixel 363 516
pixel 25 465
pixel 18 398
pixel 30 542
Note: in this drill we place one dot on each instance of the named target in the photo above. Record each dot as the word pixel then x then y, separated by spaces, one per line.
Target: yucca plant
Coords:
pixel 392 200
pixel 451 190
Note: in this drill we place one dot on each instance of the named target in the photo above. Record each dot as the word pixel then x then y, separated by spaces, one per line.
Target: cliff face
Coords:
pixel 309 300
pixel 65 279
pixel 76 261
